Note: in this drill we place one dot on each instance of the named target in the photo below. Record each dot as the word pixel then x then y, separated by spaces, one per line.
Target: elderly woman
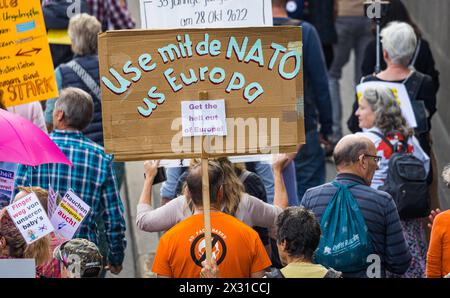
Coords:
pixel 379 114
pixel 399 44
pixel 438 258
pixel 82 72
pixel 422 60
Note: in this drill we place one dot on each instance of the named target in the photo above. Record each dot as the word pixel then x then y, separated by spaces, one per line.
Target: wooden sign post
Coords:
pixel 205 187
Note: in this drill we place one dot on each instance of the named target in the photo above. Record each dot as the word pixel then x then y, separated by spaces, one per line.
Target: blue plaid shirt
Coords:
pixel 92 178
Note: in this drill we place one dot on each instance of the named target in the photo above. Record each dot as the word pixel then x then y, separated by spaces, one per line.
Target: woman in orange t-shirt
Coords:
pixel 438 258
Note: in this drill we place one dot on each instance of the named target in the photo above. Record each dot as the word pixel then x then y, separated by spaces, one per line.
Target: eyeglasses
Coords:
pixel 376 158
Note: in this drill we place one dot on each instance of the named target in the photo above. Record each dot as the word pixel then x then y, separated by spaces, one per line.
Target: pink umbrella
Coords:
pixel 23 142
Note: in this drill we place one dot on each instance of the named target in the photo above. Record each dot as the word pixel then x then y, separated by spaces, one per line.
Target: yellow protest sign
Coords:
pixel 26 67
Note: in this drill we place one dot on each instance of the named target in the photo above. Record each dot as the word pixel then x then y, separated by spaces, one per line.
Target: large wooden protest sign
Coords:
pixel 146 75
pixel 26 67
pixel 164 14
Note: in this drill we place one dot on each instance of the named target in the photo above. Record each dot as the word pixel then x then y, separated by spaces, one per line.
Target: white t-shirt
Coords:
pixel 383 151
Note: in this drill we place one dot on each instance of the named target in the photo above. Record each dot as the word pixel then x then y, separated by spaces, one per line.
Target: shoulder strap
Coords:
pixel 339 185
pixel 415 81
pixel 394 149
pixel 363 79
pixel 384 140
pixel 244 175
pixel 416 54
pixel 85 77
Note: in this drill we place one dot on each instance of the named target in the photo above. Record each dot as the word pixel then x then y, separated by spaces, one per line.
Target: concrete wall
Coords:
pixel 432 16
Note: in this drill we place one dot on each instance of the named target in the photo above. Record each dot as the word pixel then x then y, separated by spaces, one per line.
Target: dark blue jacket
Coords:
pixel 381 216
pixel 316 92
pixel 70 79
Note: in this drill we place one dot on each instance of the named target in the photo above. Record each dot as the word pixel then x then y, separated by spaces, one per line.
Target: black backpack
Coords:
pixel 406 182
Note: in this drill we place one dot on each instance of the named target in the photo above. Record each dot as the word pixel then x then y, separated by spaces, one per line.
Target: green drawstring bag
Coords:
pixel 345 243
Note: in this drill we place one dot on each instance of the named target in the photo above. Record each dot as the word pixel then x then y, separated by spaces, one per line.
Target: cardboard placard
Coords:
pixel 69 214
pixel 30 218
pixel 146 74
pixel 26 66
pixel 163 14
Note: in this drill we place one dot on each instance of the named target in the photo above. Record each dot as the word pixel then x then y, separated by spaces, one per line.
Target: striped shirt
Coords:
pixel 380 214
pixel 92 178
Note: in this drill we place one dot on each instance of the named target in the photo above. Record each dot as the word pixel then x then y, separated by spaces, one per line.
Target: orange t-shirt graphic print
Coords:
pixel 236 248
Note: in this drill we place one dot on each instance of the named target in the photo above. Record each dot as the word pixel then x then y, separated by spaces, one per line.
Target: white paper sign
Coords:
pixel 68 216
pixel 7 176
pixel 203 118
pixel 30 218
pixel 401 96
pixel 170 14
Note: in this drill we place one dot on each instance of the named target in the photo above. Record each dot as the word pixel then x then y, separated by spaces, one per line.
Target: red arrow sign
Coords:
pixel 25 54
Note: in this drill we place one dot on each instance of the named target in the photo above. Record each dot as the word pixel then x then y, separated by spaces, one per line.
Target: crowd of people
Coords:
pixel 279 220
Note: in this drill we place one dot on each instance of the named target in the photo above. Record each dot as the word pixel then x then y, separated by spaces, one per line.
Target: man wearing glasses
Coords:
pixel 356 161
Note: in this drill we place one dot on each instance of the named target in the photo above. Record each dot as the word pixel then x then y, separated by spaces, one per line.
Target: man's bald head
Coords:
pixel 350 148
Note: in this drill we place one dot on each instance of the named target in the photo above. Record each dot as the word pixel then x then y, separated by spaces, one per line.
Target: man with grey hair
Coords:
pixel 356 161
pixel 91 177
